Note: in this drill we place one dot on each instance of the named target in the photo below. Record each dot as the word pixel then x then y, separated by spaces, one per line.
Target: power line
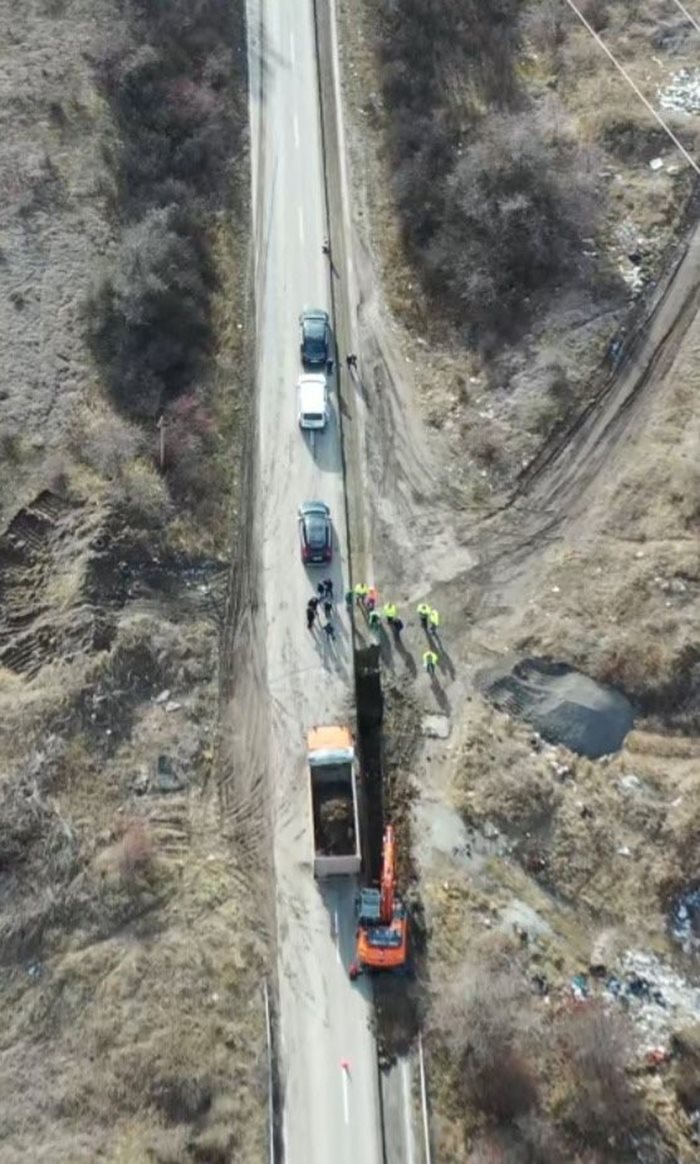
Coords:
pixel 667 130
pixel 687 14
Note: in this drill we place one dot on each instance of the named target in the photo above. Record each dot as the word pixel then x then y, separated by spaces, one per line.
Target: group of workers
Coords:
pixel 367 598
pixel 323 598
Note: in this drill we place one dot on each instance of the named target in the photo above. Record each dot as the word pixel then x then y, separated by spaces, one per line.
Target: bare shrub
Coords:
pixel 139 496
pixel 482 1018
pixel 189 445
pixel 595 12
pixel 543 25
pixel 108 442
pixel 516 212
pixel 599 1102
pixel 151 322
pixel 492 200
pixel 134 851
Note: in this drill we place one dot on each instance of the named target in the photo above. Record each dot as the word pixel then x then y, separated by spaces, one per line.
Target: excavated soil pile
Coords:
pixel 563 705
pixel 337 825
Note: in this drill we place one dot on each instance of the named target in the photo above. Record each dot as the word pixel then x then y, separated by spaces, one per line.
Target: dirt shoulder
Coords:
pixel 130 973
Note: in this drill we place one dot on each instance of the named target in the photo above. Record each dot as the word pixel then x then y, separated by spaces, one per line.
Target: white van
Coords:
pixel 312 395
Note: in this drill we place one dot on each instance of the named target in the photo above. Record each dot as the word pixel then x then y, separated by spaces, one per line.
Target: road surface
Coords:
pixel 330 1114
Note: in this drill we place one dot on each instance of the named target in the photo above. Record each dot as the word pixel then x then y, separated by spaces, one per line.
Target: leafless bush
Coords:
pixel 139 496
pixel 596 13
pixel 108 442
pixel 482 1018
pixel 189 446
pixel 544 25
pixel 134 851
pixel 600 1103
pixel 493 204
pixel 151 323
pixel 514 211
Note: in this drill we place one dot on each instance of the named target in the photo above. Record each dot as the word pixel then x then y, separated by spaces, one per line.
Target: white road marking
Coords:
pixel 292 49
pixel 301 224
pixel 346 1104
pixel 296 131
pixel 408 1130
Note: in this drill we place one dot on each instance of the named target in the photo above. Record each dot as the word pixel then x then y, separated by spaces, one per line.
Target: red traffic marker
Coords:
pixel 345 1065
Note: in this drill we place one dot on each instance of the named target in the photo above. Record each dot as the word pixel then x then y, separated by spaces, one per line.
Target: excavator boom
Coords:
pixel 388 882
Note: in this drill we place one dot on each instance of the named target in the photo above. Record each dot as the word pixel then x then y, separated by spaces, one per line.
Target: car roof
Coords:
pixel 318 508
pixel 312 378
pixel 312 393
pixel 310 313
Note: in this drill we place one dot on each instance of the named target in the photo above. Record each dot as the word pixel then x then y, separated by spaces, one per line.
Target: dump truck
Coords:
pixel 334 812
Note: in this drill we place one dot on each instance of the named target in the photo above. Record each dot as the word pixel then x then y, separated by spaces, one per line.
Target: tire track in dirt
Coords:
pixel 567 465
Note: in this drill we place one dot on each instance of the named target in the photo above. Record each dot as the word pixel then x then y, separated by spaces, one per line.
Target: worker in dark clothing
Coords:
pixel 328 587
pixel 424 614
pixel 396 625
pixel 310 617
pixel 328 608
pixel 320 590
pixel 329 367
pixel 329 630
pixel 326 248
pixel 351 360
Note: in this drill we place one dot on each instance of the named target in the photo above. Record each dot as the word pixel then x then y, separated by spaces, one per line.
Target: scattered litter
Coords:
pixel 602 953
pixel 624 851
pixel 682 94
pixel 172 705
pixel 35 969
pixel 656 1056
pixel 167 779
pixel 685 920
pixel 659 1000
pixel 435 726
pixel 630 783
pixel 163 697
pixel 579 987
pixel 656 164
pixel 540 984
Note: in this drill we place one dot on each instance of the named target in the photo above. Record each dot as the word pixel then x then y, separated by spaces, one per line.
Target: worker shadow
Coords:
pixel 406 657
pixel 439 694
pixel 444 661
pixel 332 653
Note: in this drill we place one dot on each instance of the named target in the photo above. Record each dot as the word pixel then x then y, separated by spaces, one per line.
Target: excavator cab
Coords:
pixel 382 922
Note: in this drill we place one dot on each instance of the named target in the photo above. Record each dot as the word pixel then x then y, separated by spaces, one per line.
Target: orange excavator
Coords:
pixel 382 921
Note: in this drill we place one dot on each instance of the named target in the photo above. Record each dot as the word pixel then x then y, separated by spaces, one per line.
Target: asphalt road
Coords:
pixel 330 1114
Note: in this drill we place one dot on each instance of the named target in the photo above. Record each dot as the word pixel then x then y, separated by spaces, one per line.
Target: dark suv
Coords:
pixel 315 532
pixel 315 337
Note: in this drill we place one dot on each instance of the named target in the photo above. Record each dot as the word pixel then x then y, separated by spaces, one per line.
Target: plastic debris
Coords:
pixel 682 93
pixel 579 987
pixel 656 164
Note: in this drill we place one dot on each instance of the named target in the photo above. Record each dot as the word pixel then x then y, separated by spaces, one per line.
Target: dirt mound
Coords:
pixel 563 705
pixel 336 824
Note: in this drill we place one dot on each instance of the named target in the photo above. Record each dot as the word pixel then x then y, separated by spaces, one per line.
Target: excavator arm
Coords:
pixel 388 881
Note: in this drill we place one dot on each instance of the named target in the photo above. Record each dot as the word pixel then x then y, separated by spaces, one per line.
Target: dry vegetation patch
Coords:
pixel 129 974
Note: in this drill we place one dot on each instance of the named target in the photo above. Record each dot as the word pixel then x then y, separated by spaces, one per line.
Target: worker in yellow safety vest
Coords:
pixel 429 661
pixel 389 611
pixel 424 614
